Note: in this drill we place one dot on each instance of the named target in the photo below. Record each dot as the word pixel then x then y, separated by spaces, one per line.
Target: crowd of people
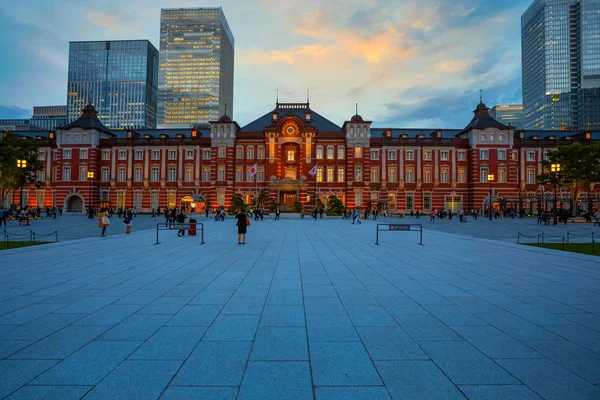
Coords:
pixel 24 215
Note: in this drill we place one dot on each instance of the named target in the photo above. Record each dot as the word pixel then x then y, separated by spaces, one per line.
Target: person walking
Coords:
pixel 103 221
pixel 180 220
pixel 277 214
pixel 128 221
pixel 356 217
pixel 153 214
pixel 242 222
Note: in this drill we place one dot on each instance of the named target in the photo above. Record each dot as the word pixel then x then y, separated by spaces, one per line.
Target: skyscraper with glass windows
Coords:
pixel 196 67
pixel 120 78
pixel 508 114
pixel 561 64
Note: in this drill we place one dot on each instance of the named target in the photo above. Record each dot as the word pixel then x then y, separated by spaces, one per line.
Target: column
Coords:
pixel 146 164
pixel 453 154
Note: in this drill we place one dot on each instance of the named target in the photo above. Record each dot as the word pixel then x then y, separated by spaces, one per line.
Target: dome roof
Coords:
pixel 356 118
pixel 225 118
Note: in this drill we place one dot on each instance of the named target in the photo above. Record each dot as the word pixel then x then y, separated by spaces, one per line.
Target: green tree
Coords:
pixel 311 204
pixel 237 203
pixel 297 206
pixel 264 201
pixel 334 206
pixel 13 148
pixel 579 168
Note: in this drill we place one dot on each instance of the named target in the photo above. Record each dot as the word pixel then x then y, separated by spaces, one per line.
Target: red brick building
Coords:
pixel 393 168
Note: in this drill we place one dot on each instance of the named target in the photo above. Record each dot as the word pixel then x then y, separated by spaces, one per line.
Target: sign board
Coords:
pixel 397 227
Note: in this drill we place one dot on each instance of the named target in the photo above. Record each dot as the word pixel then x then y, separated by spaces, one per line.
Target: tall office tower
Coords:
pixel 49 117
pixel 561 64
pixel 508 114
pixel 196 67
pixel 120 78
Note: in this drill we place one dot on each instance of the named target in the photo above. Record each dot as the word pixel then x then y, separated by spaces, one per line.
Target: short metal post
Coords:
pixel 33 235
pixel 567 238
pixel 421 235
pixel 377 235
pixel 202 226
pixel 542 238
pixel 563 242
pixel 157 242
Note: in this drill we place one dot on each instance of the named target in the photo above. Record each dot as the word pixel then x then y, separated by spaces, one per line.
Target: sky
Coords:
pixel 418 63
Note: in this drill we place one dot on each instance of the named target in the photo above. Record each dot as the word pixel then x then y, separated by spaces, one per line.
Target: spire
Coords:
pixel 277 99
pixel 480 95
pixel 307 96
pixel 225 108
pixel 356 111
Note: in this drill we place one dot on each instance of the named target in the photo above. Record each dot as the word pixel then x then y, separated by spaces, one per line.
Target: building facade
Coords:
pixel 561 64
pixel 49 117
pixel 508 114
pixel 17 124
pixel 196 67
pixel 397 169
pixel 119 77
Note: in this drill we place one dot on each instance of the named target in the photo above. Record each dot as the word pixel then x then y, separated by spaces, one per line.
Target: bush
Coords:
pixel 237 203
pixel 334 206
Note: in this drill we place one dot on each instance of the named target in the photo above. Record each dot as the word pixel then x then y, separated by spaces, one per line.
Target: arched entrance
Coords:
pixel 195 203
pixel 74 203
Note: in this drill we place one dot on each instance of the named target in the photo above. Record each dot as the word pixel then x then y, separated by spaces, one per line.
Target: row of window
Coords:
pixel 260 152
pixel 409 155
pixel 155 154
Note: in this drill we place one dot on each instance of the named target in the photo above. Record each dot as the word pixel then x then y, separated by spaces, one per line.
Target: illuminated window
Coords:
pixel 221 173
pixel 319 174
pixel 427 175
pixel 330 176
pixel 530 175
pixel 358 152
pixel 239 152
pixel 374 174
pixel 392 174
pixel 291 155
pixel 341 174
pixel 261 174
pixel 462 175
pixel 319 154
pixel 222 152
pixel 206 174
pixel 427 155
pixel 410 174
pixel 502 175
pixel 410 155
pixel 501 137
pixel 260 153
pixel 250 152
pixel 492 137
pixel 239 174
pixel 341 153
pixel 444 175
pixel 83 174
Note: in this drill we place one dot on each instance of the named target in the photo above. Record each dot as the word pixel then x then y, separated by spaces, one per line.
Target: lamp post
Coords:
pixel 22 164
pixel 556 169
pixel 490 180
pixel 90 177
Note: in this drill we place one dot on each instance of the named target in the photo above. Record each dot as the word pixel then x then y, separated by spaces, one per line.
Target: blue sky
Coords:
pixel 407 63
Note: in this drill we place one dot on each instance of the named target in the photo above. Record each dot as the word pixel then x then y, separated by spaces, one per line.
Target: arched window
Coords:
pixel 358 173
pixel 330 153
pixel 319 152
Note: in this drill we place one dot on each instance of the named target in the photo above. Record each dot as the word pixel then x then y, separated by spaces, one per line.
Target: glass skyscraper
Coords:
pixel 508 114
pixel 120 78
pixel 560 48
pixel 49 117
pixel 196 67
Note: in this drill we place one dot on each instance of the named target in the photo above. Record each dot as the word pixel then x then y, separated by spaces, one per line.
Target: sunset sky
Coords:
pixel 407 63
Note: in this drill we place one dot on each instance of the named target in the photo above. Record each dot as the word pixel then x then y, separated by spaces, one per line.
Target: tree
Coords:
pixel 579 169
pixel 334 206
pixel 264 201
pixel 237 203
pixel 311 203
pixel 13 148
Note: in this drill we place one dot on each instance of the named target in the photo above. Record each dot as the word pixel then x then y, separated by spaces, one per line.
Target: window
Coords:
pixel 189 154
pixel 222 152
pixel 483 137
pixel 410 201
pixel 483 154
pixel 392 201
pixel 83 174
pixel 427 155
pixel 392 155
pixel 76 137
pixel 502 175
pixel 171 174
pixel 67 137
pixel 171 199
pixel 250 152
pixel 121 177
pixel 206 154
pixel 374 174
pixel 42 155
pixel 239 174
pixel 501 137
pixel 156 154
pixel 461 155
pixel 410 174
pixel 83 154
pixel 501 154
pixel 341 152
pixel 492 137
pixel 206 174
pixel 444 155
pixel 483 174
pixel 155 176
pixel 426 201
pixel 330 153
pixel 239 152
pixel 137 200
pixel 260 175
pixel 530 176
pixel 514 156
pixel 410 155
pixel 530 156
pixel 55 155
pixel 40 198
pixel 341 174
pixel 84 137
pixel 105 174
pixel 154 200
pixel 358 173
pixel 319 154
pixel 172 155
pixel 189 174
pixel 66 173
pixel 319 174
pixel 444 175
pixel 104 195
pixel 260 153
pixel 392 174
pixel 358 152
pixel 67 154
pixel 330 176
pixel 427 175
pixel 221 173
pixel 139 155
pixel 291 155
pixel 462 175
pixel 358 199
pixel 41 175
pixel 122 155
pixel 137 176
pixel 374 154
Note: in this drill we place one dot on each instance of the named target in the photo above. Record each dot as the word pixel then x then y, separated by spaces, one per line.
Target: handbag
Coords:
pixel 105 220
pixel 247 221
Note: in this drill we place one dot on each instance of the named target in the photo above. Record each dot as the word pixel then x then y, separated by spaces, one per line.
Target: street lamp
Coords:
pixel 90 177
pixel 22 164
pixel 556 169
pixel 490 180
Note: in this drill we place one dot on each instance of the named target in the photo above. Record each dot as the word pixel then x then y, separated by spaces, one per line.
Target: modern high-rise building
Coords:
pixel 120 78
pixel 508 114
pixel 561 64
pixel 49 117
pixel 196 67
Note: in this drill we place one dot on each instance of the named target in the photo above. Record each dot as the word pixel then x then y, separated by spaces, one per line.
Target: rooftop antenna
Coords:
pixel 277 99
pixel 225 108
pixel 308 96
pixel 356 104
pixel 481 95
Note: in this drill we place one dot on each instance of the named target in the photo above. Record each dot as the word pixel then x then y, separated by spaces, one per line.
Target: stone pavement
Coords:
pixel 307 309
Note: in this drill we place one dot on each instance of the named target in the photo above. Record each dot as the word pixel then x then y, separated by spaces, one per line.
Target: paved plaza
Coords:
pixel 306 309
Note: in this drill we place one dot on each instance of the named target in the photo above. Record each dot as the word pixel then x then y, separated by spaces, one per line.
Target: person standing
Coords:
pixel 3 216
pixel 181 220
pixel 277 214
pixel 242 222
pixel 128 220
pixel 103 221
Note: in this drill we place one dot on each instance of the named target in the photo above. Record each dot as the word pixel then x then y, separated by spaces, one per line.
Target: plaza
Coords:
pixel 306 309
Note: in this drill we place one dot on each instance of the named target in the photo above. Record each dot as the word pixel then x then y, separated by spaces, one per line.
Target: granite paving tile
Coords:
pixel 170 343
pixel 41 327
pixel 88 305
pixel 195 315
pixel 425 327
pixel 576 359
pixel 494 343
pixel 342 364
pixel 323 306
pixel 9 347
pixel 451 314
pixel 370 316
pixel 352 392
pixel 29 313
pixel 357 298
pixel 390 343
pixel 283 316
pixel 280 344
pixel 16 373
pixel 233 328
pixel 588 320
pixel 581 335
pixel 244 305
pixel 500 392
pixel 284 298
pixel 136 327
pixel 109 315
pixel 330 328
pixel 165 305
pixel 197 392
pixel 276 380
pixel 50 392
